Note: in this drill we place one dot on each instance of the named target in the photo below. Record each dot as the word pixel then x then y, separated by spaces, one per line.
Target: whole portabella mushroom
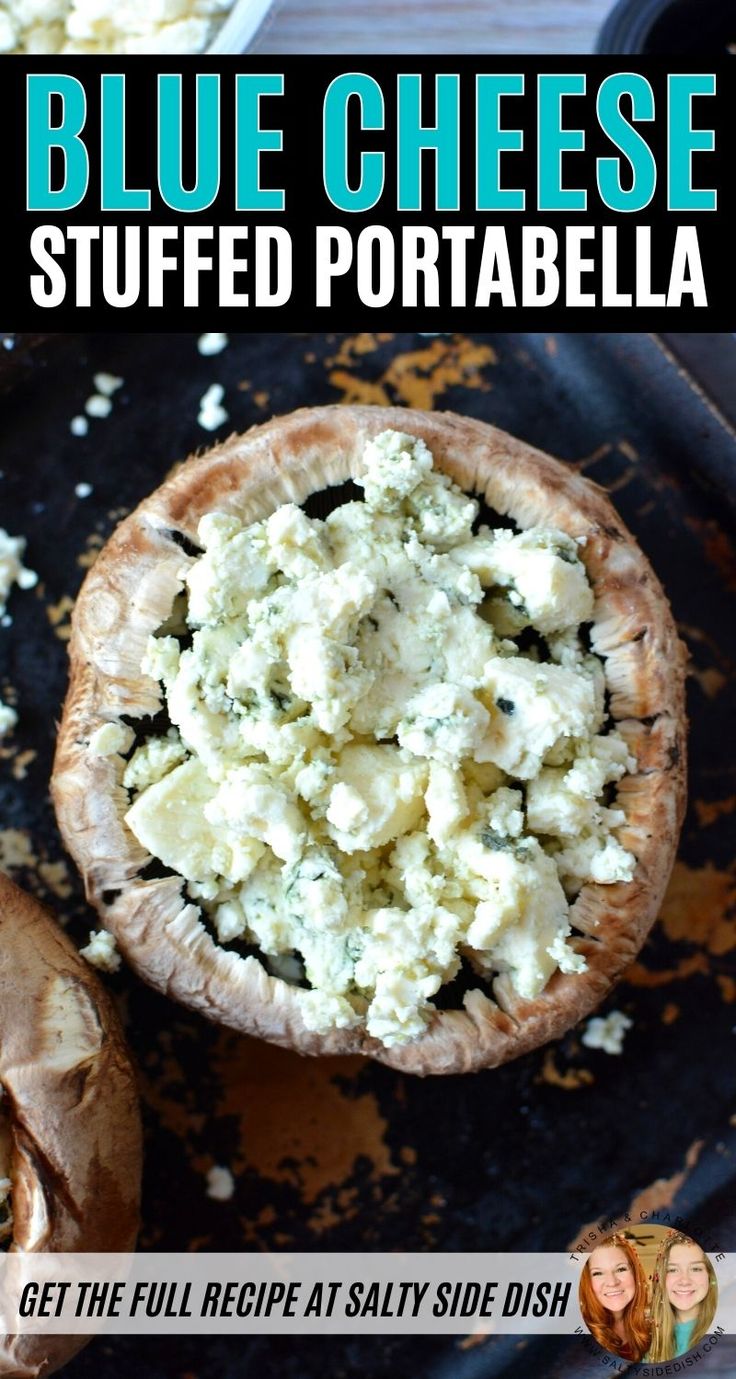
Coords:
pixel 70 1134
pixel 137 591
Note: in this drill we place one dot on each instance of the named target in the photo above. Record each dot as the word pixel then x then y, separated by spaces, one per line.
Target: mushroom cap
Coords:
pixel 72 1104
pixel 128 595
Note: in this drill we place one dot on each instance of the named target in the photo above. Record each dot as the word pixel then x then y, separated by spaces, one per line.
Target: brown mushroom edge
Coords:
pixel 129 594
pixel 70 1107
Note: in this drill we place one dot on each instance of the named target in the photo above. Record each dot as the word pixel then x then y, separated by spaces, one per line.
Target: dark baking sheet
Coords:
pixel 345 1154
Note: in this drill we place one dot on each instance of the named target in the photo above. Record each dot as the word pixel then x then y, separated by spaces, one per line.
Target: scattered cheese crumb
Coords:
pixel 83 490
pixel 8 719
pixel 214 342
pixel 16 853
pixel 220 1184
pixel 211 412
pixel 98 406
pixel 607 1032
pixel 12 570
pixel 107 383
pixel 101 951
pixel 55 877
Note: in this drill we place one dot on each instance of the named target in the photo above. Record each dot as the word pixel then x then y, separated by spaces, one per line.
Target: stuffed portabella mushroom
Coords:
pixel 313 770
pixel 70 1140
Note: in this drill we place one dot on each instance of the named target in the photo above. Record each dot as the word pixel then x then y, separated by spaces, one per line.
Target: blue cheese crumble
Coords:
pixel 366 776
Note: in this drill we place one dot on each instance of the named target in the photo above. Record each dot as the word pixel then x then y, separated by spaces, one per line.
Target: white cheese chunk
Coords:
pixel 541 570
pixel 111 739
pixel 248 806
pixel 220 1184
pixel 169 820
pixel 12 569
pixel 8 719
pixel 534 708
pixel 376 795
pixel 446 801
pixel 607 1032
pixel 101 951
pixel 153 761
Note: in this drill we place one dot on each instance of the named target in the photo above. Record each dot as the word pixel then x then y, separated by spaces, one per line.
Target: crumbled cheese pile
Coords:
pixel 607 1032
pixel 101 26
pixel 367 777
pixel 6 1215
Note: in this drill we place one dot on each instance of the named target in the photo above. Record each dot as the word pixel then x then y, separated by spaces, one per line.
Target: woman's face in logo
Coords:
pixel 687 1280
pixel 611 1277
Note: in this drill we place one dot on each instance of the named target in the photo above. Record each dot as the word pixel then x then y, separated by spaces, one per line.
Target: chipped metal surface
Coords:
pixel 344 1154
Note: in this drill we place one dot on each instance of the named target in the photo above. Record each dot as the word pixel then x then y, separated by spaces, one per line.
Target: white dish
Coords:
pixel 236 34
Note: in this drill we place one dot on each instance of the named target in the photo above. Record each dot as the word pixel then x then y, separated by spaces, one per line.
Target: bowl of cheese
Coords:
pixel 46 27
pixel 374 740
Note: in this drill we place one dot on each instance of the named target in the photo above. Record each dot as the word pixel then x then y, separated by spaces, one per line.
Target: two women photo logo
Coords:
pixel 648 1296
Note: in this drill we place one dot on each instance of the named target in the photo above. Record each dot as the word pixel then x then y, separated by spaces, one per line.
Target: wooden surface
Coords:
pixel 432 26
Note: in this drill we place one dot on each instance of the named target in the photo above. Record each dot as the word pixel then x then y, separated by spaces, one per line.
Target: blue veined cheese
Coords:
pixel 395 465
pixel 444 722
pixel 459 584
pixel 153 760
pixel 595 856
pixel 535 706
pixel 542 571
pixel 565 801
pixel 440 513
pixel 252 805
pixel 367 777
pixel 521 928
pixel 295 543
pixel 206 728
pixel 416 876
pixel 236 567
pixel 373 539
pixel 406 957
pixel 399 477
